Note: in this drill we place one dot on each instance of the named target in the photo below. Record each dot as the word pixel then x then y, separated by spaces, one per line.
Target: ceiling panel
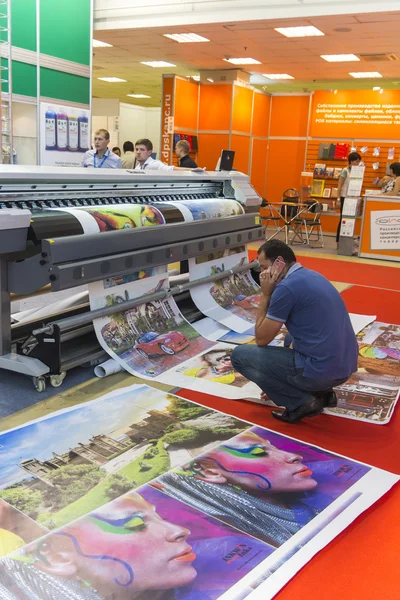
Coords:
pixel 300 57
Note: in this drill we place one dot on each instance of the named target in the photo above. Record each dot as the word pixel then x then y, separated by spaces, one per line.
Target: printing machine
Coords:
pixel 43 248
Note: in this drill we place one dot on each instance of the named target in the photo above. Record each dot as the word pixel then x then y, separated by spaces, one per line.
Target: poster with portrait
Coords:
pixel 64 134
pixel 235 516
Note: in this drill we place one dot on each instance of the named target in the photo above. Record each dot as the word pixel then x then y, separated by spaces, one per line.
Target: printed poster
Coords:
pixel 64 135
pixel 232 301
pixel 232 520
pixel 385 230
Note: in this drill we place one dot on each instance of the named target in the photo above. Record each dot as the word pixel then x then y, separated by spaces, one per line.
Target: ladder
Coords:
pixel 6 138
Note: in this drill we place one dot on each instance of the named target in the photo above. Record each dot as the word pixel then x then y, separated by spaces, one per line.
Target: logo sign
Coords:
pixel 167 120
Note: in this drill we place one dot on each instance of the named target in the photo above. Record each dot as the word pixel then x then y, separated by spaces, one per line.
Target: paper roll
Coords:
pixel 107 368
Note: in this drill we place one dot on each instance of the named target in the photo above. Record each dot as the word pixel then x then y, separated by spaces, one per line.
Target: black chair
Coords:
pixel 309 225
pixel 269 215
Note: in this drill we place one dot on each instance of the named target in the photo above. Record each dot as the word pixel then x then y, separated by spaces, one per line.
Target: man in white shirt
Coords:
pixel 144 150
pixel 101 157
pixel 144 161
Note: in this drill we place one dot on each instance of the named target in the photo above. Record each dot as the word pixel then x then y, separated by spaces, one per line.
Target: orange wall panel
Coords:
pixel 210 147
pixel 289 116
pixel 284 166
pixel 356 113
pixel 186 104
pixel 242 109
pixel 261 110
pixel 215 107
pixel 259 165
pixel 241 146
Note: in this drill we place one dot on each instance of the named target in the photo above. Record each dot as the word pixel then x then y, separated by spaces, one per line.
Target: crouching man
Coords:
pixel 324 349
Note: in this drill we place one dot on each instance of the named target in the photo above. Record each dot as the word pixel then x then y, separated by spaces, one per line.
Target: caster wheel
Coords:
pixel 56 380
pixel 39 383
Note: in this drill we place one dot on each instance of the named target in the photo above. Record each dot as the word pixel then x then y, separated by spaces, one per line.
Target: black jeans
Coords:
pixel 340 220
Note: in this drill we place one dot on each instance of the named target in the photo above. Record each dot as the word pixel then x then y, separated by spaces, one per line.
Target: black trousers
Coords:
pixel 340 220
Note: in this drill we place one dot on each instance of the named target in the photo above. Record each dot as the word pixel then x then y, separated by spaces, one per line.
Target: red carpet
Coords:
pixel 361 564
pixel 369 301
pixel 348 272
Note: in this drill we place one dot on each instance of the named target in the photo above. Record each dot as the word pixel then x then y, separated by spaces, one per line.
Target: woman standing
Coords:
pixel 354 160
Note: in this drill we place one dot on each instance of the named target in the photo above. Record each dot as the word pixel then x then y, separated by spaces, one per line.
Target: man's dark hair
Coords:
pixel 395 168
pixel 275 248
pixel 128 147
pixel 353 156
pixel 145 142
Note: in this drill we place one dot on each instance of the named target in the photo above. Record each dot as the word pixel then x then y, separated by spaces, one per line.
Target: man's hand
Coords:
pixel 269 279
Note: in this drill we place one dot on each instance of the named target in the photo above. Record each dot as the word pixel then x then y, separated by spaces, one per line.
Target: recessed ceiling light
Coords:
pixel 291 32
pixel 158 63
pixel 99 44
pixel 112 79
pixel 366 75
pixel 196 77
pixel 340 57
pixel 376 88
pixel 277 76
pixel 185 38
pixel 242 61
pixel 138 96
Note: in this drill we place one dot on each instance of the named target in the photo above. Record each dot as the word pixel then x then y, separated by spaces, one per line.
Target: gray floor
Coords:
pixel 17 391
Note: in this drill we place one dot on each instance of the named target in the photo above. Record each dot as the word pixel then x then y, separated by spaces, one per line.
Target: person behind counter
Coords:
pixel 128 157
pixel 354 160
pixel 324 349
pixel 182 150
pixel 101 157
pixel 117 151
pixel 392 187
pixel 144 150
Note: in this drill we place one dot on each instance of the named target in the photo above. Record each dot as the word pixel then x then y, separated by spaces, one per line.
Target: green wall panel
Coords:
pixel 24 79
pixel 23 32
pixel 55 84
pixel 65 29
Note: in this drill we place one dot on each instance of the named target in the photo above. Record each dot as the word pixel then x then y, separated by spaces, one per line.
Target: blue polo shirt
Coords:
pixel 316 317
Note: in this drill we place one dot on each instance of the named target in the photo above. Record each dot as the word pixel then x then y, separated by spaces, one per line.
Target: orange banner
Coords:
pixel 356 113
pixel 167 119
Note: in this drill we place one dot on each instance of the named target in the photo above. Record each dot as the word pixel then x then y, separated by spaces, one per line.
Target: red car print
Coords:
pixel 152 343
pixel 247 301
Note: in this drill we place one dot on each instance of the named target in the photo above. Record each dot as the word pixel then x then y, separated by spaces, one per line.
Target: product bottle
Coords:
pixel 50 129
pixel 62 131
pixel 83 129
pixel 72 133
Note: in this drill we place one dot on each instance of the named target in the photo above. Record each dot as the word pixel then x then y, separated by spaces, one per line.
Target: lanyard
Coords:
pixel 101 162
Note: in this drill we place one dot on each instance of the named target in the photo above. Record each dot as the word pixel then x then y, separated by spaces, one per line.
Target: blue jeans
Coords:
pixel 274 370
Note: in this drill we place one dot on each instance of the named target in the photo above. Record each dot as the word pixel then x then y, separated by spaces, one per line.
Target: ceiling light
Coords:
pixel 376 88
pixel 196 77
pixel 340 57
pixel 158 63
pixel 112 79
pixel 184 38
pixel 277 76
pixel 291 32
pixel 366 75
pixel 99 44
pixel 210 80
pixel 138 96
pixel 242 61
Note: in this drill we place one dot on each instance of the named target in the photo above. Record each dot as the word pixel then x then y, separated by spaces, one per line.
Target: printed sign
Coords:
pixel 385 230
pixel 64 135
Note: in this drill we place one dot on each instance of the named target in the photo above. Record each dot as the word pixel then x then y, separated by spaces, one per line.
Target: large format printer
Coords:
pixel 43 250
